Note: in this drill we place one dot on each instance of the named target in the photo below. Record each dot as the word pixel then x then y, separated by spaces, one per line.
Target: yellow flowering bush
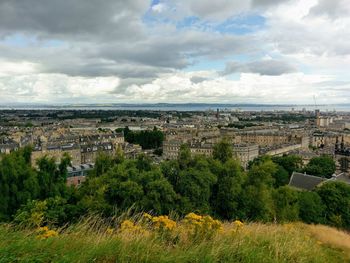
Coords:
pixel 163 226
pixel 160 222
pixel 147 216
pixel 201 226
pixel 193 226
pixel 129 227
pixel 163 223
pixel 45 232
pixel 237 225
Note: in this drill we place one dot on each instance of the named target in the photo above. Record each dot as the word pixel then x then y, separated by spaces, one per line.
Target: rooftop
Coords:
pixel 305 181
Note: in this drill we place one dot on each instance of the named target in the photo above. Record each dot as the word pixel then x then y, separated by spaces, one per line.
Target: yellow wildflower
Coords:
pixel 193 216
pixel 45 233
pixel 202 226
pixel 128 226
pixel 163 222
pixel 44 228
pixel 238 223
pixel 147 216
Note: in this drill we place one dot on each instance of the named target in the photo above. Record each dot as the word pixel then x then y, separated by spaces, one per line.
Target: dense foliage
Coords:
pixel 242 125
pixel 147 139
pixel 322 166
pixel 217 186
pixel 20 183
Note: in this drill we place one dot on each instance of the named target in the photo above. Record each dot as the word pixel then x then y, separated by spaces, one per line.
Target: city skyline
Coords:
pixel 257 51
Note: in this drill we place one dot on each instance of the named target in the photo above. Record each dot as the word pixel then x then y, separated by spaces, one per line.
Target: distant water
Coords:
pixel 183 107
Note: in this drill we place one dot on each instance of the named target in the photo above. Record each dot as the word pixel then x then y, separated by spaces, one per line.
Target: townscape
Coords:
pixel 85 134
pixel 175 131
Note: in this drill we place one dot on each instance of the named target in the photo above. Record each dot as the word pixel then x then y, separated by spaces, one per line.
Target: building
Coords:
pixel 280 150
pixel 57 152
pixel 171 149
pixel 7 146
pixel 305 182
pixel 77 173
pixel 308 182
pixel 243 152
pixel 82 149
pixel 89 152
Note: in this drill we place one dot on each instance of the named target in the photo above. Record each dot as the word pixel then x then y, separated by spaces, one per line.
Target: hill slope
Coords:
pixel 233 243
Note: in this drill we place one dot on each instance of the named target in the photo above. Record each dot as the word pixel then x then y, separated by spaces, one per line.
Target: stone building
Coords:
pixel 57 152
pixel 82 149
pixel 243 152
pixel 8 145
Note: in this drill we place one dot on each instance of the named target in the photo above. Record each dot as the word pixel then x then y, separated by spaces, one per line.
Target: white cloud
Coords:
pixel 159 8
pixel 56 88
pixel 252 88
pixel 118 57
pixel 8 68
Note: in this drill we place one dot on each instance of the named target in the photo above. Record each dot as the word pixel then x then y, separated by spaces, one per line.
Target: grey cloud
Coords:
pixel 74 17
pixel 263 67
pixel 143 58
pixel 177 51
pixel 260 3
pixel 106 39
pixel 331 8
pixel 217 10
pixel 198 79
pixel 126 82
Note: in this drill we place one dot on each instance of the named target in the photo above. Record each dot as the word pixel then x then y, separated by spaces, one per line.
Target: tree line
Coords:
pixel 148 139
pixel 215 185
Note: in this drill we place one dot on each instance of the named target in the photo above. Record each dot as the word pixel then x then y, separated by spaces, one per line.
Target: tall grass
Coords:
pixel 97 240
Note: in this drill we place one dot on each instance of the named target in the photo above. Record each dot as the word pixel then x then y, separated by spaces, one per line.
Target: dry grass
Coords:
pixel 92 240
pixel 330 236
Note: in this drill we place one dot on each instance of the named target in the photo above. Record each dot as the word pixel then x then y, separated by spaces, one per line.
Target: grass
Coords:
pixel 94 241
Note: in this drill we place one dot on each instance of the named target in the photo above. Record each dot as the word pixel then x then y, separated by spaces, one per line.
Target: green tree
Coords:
pixel 103 162
pixel 147 139
pixel 222 151
pixel 228 192
pixel 311 208
pixel 286 204
pixel 323 166
pixel 281 177
pixel 195 185
pixel 257 196
pixel 184 157
pixel 52 211
pixel 18 182
pixel 143 163
pixel 336 198
pixel 52 177
pixel 131 184
pixel 291 163
pixel 160 196
pixel 171 171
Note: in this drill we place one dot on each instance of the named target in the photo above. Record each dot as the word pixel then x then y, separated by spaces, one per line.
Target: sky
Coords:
pixel 175 51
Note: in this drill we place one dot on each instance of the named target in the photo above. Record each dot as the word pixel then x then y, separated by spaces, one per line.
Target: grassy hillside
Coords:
pixel 163 240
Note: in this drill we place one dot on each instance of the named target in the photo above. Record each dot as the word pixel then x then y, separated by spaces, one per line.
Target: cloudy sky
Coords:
pixel 132 51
